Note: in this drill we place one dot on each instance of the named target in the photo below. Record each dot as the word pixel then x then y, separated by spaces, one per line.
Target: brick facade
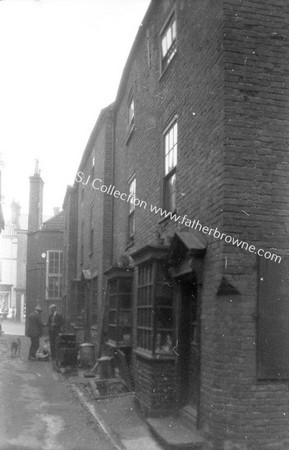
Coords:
pixel 226 87
pixel 89 214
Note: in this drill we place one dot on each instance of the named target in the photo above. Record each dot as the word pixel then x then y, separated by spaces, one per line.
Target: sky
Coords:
pixel 60 63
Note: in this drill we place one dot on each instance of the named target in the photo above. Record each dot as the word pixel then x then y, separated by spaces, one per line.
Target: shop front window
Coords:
pixel 120 308
pixel 155 310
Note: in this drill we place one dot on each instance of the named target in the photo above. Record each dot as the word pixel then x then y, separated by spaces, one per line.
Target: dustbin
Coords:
pixel 87 354
pixel 66 350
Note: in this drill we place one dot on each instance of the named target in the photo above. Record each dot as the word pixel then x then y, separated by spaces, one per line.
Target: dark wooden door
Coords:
pixel 189 344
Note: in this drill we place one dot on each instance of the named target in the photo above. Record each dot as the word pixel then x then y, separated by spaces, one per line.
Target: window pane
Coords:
pixel 54 274
pixel 125 318
pixel 168 43
pixel 112 287
pixel 174 29
pixel 145 311
pixel 131 217
pixel 125 302
pixel 164 343
pixel 171 149
pixel 169 38
pixel 164 46
pixel 164 318
pixel 131 225
pixel 131 111
pixel 125 285
pixel 170 193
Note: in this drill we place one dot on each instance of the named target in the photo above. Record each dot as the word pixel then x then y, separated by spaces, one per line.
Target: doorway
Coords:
pixel 189 342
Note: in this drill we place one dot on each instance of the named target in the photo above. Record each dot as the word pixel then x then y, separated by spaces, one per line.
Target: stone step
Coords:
pixel 189 415
pixel 174 433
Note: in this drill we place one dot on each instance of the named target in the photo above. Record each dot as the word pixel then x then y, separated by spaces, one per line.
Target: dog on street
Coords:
pixel 15 347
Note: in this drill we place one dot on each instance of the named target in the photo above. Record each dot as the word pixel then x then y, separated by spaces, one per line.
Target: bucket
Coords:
pixel 87 354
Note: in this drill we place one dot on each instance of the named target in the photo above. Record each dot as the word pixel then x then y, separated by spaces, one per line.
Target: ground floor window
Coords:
pixel 155 308
pixel 119 286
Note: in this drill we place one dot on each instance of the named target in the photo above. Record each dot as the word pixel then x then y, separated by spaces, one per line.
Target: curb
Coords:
pixel 106 429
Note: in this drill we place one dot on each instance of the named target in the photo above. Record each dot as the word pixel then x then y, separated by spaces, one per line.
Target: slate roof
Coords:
pixel 55 223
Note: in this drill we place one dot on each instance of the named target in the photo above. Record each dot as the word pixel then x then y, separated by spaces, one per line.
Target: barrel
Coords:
pixel 87 354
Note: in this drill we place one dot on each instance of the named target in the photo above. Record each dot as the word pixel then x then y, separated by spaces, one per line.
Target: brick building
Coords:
pixel 44 269
pixel 88 226
pixel 199 128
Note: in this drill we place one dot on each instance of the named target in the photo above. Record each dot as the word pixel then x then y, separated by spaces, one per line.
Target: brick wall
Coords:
pixel 97 259
pixel 256 57
pixel 155 386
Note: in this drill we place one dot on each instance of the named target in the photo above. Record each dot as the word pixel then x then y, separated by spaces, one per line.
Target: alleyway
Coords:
pixel 38 410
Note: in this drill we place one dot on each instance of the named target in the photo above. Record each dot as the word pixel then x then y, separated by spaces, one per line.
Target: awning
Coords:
pixel 185 254
pixel 187 240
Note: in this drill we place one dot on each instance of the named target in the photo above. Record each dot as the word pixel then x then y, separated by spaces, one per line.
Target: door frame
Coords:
pixel 193 279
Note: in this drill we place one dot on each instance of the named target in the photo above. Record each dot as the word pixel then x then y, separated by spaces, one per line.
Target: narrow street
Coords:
pixel 39 411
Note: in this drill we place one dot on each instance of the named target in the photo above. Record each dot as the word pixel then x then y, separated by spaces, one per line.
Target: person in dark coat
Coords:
pixel 55 325
pixel 34 331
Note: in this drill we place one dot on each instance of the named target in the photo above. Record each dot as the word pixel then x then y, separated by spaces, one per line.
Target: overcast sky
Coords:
pixel 61 62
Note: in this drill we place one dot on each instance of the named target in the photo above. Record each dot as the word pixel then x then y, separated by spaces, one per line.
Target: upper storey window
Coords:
pixel 131 111
pixel 131 213
pixel 170 156
pixel 131 118
pixel 54 274
pixel 168 42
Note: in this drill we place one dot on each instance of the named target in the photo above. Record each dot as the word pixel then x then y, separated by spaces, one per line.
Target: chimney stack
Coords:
pixel 35 200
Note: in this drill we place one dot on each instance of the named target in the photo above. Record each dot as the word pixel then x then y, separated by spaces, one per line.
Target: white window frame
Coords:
pixel 131 210
pixel 168 41
pixel 57 274
pixel 131 111
pixel 170 143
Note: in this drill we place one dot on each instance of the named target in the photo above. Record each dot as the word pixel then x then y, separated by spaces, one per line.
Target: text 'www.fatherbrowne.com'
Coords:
pixel 195 224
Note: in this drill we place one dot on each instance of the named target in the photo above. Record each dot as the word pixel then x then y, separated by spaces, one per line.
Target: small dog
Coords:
pixel 15 347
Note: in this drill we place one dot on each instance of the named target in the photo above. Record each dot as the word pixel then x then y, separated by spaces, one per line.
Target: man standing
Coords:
pixel 55 324
pixel 34 331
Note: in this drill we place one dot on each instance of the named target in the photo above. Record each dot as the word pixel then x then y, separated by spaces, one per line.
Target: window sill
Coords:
pixel 130 133
pixel 146 354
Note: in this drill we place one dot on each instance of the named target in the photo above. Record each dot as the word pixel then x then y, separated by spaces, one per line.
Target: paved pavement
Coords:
pixel 38 410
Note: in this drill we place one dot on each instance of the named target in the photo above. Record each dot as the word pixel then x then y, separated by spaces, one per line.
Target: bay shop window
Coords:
pixel 155 311
pixel 119 286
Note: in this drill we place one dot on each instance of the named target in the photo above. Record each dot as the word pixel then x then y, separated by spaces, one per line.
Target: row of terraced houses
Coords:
pixel 199 129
